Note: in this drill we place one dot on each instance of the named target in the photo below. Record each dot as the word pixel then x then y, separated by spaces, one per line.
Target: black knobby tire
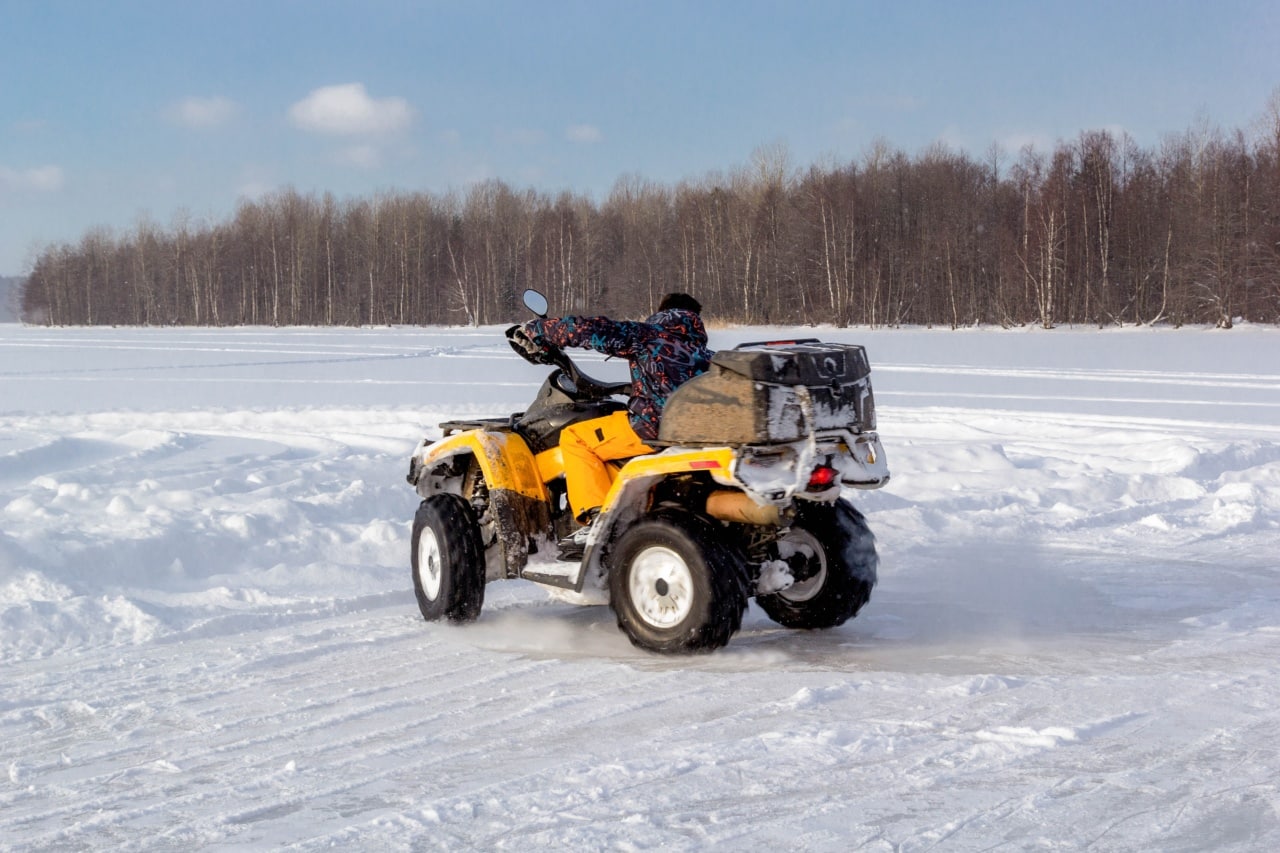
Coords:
pixel 837 539
pixel 676 585
pixel 447 560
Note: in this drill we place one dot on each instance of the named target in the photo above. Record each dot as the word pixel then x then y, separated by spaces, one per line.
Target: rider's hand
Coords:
pixel 523 336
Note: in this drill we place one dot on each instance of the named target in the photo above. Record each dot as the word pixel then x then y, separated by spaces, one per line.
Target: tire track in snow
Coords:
pixel 1209 380
pixel 282 737
pixel 279 732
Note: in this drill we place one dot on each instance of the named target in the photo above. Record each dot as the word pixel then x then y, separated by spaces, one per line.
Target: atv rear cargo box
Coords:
pixel 772 393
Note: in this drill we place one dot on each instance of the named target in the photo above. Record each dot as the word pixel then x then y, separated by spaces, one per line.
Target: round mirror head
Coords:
pixel 535 302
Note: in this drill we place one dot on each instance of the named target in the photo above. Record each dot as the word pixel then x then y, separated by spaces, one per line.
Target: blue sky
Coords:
pixel 116 110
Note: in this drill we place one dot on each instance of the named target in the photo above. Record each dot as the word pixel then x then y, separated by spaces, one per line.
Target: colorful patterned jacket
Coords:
pixel 664 351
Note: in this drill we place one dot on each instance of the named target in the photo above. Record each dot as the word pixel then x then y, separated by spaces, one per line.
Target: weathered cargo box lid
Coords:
pixel 807 362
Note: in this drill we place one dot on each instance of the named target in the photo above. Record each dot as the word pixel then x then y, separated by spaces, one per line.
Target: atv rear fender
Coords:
pixel 629 499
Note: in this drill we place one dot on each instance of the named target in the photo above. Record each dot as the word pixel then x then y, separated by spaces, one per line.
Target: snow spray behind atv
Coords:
pixel 741 498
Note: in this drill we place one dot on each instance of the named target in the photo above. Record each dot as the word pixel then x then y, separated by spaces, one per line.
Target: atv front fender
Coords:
pixel 518 502
pixel 504 458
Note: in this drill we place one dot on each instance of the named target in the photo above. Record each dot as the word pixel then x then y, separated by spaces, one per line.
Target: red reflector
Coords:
pixel 705 463
pixel 822 476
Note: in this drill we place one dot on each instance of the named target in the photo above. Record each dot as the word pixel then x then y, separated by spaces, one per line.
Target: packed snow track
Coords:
pixel 210 638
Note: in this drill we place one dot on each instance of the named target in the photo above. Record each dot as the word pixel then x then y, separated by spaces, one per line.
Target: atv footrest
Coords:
pixel 565 581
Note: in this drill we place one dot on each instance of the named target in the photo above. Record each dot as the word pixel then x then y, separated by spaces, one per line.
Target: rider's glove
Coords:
pixel 524 338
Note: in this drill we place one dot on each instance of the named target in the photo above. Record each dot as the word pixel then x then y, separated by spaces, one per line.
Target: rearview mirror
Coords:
pixel 536 302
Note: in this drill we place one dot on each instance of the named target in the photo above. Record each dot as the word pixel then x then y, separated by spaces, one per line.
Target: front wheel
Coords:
pixel 840 559
pixel 447 560
pixel 676 586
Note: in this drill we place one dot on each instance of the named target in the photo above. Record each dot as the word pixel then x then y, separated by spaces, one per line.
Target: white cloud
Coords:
pixel 360 156
pixel 348 110
pixel 44 179
pixel 198 112
pixel 584 133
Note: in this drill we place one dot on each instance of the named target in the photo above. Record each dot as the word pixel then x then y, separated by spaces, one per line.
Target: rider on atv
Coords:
pixel 664 351
pixel 734 488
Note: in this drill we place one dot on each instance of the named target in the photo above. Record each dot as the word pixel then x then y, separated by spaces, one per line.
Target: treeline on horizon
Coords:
pixel 1098 231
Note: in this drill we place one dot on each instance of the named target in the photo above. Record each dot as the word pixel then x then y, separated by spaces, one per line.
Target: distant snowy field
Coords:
pixel 209 637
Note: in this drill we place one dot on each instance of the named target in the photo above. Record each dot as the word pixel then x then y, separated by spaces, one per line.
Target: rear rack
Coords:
pixel 450 427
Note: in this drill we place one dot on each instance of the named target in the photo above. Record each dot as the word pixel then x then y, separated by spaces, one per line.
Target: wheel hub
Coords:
pixel 807 559
pixel 661 587
pixel 430 570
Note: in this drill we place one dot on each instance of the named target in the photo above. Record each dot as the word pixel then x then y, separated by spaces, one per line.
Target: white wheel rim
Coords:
pixel 804 543
pixel 661 587
pixel 429 563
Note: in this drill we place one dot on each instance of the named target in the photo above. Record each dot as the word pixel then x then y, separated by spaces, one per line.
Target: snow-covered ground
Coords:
pixel 210 640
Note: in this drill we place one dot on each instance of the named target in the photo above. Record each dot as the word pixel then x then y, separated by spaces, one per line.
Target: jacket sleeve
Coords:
pixel 611 337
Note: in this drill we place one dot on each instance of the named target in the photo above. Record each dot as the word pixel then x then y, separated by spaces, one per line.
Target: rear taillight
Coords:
pixel 824 476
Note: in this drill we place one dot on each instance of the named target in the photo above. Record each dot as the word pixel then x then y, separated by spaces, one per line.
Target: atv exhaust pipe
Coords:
pixel 734 506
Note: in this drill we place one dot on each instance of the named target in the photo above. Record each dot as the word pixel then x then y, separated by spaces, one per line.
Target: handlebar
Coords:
pixel 580 386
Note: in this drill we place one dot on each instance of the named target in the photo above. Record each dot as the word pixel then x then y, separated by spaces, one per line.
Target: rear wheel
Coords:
pixel 676 586
pixel 839 559
pixel 447 560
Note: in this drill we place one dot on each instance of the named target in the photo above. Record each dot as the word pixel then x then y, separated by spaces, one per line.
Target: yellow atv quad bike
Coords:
pixel 741 498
